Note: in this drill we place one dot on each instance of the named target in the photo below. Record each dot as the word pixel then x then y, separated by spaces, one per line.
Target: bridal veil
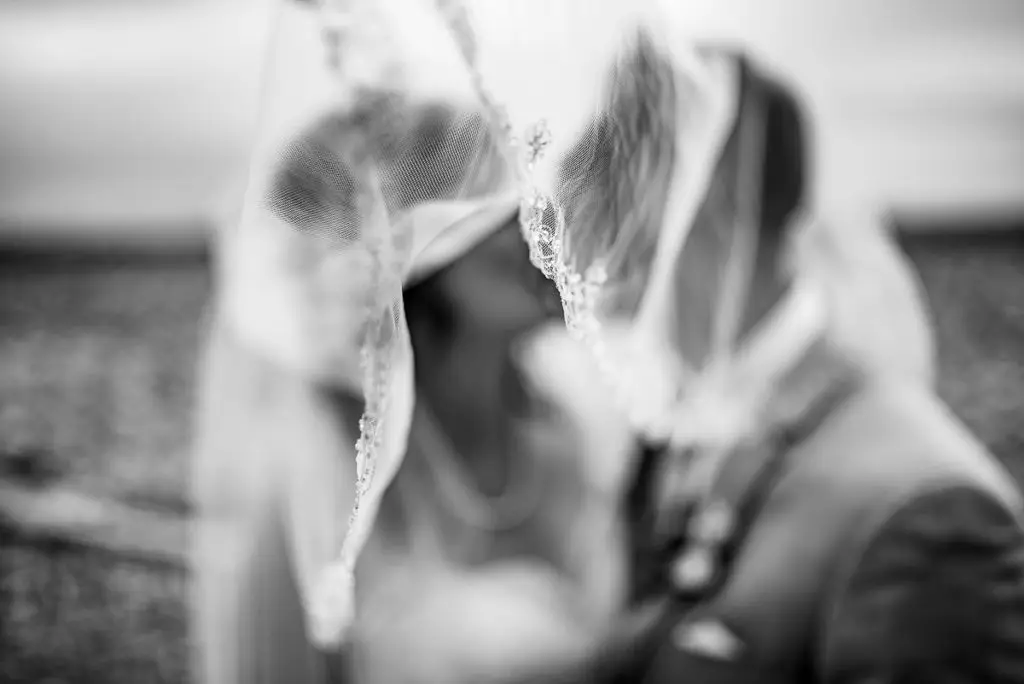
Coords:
pixel 396 134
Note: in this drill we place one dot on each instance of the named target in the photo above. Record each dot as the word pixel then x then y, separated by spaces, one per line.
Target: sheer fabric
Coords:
pixel 365 177
pixel 397 133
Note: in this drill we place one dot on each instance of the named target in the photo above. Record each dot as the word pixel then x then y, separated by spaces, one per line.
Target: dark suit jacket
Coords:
pixel 890 550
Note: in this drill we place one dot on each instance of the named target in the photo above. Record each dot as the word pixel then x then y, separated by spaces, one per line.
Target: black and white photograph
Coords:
pixel 511 342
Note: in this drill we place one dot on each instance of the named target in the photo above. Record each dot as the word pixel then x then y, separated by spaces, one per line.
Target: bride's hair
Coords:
pixel 424 152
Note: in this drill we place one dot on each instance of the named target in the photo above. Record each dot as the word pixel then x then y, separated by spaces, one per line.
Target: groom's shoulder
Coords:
pixel 928 568
pixel 890 522
pixel 890 443
pixel 886 456
pixel 890 546
pixel 892 455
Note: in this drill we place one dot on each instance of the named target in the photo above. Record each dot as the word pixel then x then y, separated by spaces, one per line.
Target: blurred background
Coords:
pixel 124 126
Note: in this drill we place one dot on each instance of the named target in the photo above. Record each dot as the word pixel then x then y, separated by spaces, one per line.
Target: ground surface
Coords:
pixel 96 369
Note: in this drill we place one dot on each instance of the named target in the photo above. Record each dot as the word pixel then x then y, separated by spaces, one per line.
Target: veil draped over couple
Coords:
pixel 532 360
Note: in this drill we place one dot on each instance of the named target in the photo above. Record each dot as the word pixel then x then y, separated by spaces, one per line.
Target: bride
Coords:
pixel 512 280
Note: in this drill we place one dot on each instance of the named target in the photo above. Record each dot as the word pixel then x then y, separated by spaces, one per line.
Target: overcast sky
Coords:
pixel 135 112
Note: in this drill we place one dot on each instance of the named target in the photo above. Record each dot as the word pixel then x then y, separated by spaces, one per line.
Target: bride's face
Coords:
pixel 496 368
pixel 463 322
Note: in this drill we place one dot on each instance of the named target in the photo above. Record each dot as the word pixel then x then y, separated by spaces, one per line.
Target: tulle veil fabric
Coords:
pixel 362 180
pixel 436 122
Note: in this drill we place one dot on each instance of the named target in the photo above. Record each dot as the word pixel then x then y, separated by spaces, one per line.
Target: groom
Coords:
pixel 864 536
